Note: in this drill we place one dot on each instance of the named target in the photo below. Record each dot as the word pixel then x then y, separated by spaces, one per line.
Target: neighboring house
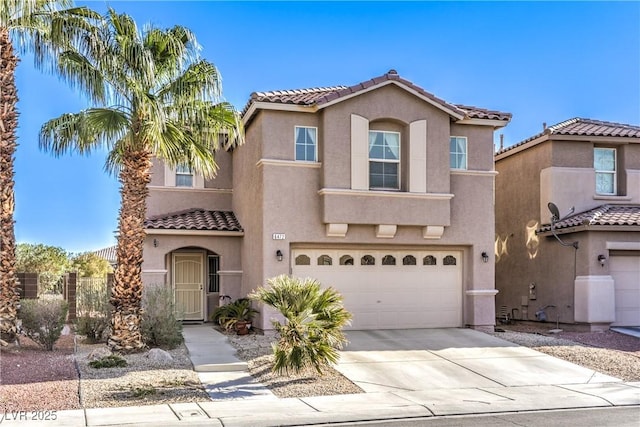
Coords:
pixel 380 190
pixel 108 254
pixel 594 168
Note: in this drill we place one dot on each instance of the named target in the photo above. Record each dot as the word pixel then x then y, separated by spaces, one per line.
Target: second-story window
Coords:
pixel 306 144
pixel 184 176
pixel 458 152
pixel 604 162
pixel 384 160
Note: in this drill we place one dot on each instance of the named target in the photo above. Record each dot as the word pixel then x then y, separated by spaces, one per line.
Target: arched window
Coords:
pixel 388 260
pixel 449 260
pixel 324 260
pixel 367 260
pixel 409 260
pixel 346 260
pixel 303 260
pixel 429 260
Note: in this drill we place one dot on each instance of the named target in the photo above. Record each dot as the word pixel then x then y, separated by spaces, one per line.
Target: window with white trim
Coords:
pixel 458 152
pixel 604 162
pixel 384 160
pixel 306 143
pixel 184 176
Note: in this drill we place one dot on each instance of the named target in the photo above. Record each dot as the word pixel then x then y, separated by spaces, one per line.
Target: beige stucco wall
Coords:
pixel 248 203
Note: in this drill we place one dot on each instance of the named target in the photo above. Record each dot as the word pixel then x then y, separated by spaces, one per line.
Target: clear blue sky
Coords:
pixel 543 62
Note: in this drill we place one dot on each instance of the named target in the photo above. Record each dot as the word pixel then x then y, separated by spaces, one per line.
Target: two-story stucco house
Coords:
pixel 380 190
pixel 591 275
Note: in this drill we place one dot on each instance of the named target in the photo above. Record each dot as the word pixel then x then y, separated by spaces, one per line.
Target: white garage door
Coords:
pixel 390 289
pixel 626 275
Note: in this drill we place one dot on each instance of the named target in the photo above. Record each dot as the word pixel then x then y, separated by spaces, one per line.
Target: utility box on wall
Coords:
pixel 594 299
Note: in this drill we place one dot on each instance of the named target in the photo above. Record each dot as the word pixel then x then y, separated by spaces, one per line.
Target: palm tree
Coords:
pixel 152 96
pixel 42 27
pixel 312 333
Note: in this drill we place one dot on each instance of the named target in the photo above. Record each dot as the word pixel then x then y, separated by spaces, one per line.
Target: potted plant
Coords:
pixel 237 316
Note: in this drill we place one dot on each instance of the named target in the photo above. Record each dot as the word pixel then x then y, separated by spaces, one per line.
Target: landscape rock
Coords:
pixel 99 353
pixel 159 355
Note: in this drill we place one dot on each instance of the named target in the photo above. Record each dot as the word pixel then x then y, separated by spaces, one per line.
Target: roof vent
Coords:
pixel 544 125
pixel 392 71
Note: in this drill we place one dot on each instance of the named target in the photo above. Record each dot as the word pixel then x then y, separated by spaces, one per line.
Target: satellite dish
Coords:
pixel 555 212
pixel 555 216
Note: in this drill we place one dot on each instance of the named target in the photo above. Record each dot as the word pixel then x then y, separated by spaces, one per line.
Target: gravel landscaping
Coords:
pixel 32 379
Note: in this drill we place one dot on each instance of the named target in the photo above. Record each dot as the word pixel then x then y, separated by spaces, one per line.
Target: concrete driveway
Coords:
pixel 428 359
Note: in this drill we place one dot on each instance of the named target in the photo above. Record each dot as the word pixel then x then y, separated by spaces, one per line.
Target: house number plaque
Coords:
pixel 278 236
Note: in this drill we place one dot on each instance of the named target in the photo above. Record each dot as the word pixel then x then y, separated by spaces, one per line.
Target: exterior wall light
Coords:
pixel 279 255
pixel 155 243
pixel 602 259
pixel 485 257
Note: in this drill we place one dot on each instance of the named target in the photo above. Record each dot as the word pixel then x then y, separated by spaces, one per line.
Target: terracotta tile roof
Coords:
pixel 322 95
pixel 483 113
pixel 195 219
pixel 584 127
pixel 626 215
pixel 108 253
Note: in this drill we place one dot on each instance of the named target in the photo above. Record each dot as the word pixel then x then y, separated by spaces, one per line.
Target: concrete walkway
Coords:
pixel 239 401
pixel 222 374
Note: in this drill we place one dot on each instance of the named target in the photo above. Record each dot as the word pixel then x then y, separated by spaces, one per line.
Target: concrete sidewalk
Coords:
pixel 469 388
pixel 350 408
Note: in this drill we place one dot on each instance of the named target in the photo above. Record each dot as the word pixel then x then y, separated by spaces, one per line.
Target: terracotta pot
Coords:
pixel 242 327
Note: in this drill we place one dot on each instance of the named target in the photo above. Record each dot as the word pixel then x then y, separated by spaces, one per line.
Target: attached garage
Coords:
pixel 625 271
pixel 390 289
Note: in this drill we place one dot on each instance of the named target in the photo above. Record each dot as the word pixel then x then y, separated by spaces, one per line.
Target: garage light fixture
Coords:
pixel 279 255
pixel 485 257
pixel 602 259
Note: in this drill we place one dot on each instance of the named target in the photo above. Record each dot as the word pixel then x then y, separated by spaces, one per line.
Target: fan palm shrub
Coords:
pixel 314 318
pixel 153 97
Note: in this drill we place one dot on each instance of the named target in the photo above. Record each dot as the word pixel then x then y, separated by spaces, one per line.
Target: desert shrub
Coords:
pixel 312 333
pixel 160 325
pixel 93 318
pixel 111 361
pixel 43 320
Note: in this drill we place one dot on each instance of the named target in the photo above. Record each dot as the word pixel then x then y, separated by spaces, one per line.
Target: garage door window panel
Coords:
pixel 346 260
pixel 449 260
pixel 303 260
pixel 429 260
pixel 325 260
pixel 409 260
pixel 388 260
pixel 367 260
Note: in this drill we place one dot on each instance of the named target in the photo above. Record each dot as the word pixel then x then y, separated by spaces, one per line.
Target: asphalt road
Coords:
pixel 620 416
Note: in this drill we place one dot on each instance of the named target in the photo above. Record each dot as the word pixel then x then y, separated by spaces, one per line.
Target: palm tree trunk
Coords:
pixel 9 297
pixel 126 294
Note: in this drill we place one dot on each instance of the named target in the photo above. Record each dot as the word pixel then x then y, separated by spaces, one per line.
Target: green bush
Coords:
pixel 111 361
pixel 93 318
pixel 312 333
pixel 228 315
pixel 43 320
pixel 160 325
